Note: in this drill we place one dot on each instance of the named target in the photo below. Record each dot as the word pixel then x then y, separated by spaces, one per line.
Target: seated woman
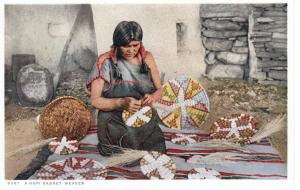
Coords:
pixel 126 77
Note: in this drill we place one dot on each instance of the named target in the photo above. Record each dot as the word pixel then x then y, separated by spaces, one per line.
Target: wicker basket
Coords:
pixel 65 116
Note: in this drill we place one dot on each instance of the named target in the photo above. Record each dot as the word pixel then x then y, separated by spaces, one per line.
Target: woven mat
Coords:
pixel 267 165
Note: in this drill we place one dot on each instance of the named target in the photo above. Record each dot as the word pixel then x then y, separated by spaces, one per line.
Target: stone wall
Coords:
pixel 268 34
pixel 224 35
pixel 245 41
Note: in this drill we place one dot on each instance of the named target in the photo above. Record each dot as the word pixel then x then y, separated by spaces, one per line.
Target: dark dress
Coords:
pixel 124 79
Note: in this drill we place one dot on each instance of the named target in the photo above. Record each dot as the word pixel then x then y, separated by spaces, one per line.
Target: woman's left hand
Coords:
pixel 148 100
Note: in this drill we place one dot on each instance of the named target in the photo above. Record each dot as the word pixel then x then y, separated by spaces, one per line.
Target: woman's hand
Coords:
pixel 149 99
pixel 131 104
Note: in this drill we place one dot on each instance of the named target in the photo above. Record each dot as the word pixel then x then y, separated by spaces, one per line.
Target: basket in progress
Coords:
pixel 65 116
pixel 139 118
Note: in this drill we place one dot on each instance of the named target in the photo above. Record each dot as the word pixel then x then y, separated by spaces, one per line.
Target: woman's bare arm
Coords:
pixel 99 102
pixel 150 98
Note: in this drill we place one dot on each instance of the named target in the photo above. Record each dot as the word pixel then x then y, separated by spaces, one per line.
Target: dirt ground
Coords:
pixel 226 97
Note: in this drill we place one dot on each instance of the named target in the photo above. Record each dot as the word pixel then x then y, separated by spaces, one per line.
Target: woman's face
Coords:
pixel 130 51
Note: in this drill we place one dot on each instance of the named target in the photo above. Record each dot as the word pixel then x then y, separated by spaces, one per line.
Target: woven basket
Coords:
pixel 186 101
pixel 138 119
pixel 65 116
pixel 72 168
pixel 156 165
pixel 237 127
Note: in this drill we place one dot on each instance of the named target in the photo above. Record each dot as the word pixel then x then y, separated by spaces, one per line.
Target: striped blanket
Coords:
pixel 266 165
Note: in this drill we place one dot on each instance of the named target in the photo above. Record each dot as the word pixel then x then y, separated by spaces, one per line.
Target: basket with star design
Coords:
pixel 73 168
pixel 155 165
pixel 238 128
pixel 186 103
pixel 139 118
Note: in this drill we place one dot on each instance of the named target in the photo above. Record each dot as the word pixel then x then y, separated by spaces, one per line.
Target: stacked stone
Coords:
pixel 225 38
pixel 72 84
pixel 269 37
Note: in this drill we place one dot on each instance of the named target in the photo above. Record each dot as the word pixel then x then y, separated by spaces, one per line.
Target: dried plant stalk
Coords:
pixel 220 144
pixel 220 158
pixel 30 148
pixel 269 129
pixel 126 156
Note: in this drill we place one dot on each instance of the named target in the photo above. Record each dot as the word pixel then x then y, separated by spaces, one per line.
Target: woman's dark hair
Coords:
pixel 125 32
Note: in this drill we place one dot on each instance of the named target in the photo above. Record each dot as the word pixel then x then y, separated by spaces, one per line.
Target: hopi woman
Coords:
pixel 126 77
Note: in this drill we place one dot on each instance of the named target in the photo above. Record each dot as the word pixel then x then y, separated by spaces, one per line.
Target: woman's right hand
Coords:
pixel 131 104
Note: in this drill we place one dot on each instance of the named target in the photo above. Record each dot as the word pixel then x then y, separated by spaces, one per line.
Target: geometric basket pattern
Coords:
pixel 64 146
pixel 237 127
pixel 73 168
pixel 137 119
pixel 185 102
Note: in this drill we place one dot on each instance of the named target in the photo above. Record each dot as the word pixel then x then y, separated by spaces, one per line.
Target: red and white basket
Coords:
pixel 64 146
pixel 184 139
pixel 73 168
pixel 204 173
pixel 155 165
pixel 139 118
pixel 238 127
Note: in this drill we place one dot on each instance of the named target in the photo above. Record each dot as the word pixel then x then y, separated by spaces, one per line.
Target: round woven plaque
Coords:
pixel 155 165
pixel 186 103
pixel 139 118
pixel 73 168
pixel 184 139
pixel 238 127
pixel 204 173
pixel 64 146
pixel 65 116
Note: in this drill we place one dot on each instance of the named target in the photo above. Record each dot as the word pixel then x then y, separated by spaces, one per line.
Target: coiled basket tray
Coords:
pixel 65 116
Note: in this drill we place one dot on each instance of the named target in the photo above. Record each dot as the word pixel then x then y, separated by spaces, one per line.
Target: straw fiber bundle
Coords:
pixel 65 116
